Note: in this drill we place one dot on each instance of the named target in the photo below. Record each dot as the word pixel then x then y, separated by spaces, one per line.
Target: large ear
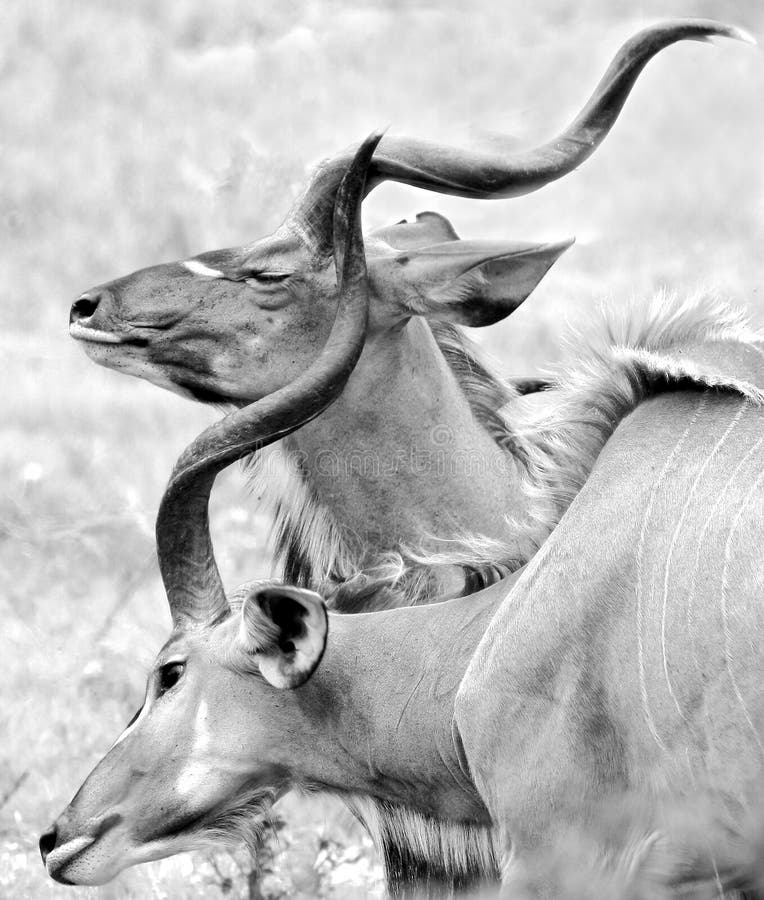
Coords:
pixel 285 628
pixel 469 282
pixel 429 228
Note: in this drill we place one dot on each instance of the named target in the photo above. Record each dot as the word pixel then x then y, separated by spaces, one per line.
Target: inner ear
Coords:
pixel 285 629
pixel 287 615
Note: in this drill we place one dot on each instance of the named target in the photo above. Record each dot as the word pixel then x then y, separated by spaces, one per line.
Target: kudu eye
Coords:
pixel 261 278
pixel 169 675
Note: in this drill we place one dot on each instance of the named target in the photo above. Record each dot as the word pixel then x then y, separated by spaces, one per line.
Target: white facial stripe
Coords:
pixel 202 733
pixel 197 770
pixel 197 268
pixel 129 728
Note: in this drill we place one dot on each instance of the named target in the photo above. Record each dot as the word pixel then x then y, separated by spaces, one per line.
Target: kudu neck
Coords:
pixel 401 456
pixel 382 705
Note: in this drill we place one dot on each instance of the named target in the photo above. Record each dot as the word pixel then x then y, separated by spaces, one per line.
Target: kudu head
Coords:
pixel 210 747
pixel 235 325
pixel 220 736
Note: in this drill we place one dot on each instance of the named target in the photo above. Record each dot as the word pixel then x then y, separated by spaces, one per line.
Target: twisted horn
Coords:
pixel 495 173
pixel 186 560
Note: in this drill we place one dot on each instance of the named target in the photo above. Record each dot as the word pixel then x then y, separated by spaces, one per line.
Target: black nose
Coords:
pixel 85 306
pixel 48 842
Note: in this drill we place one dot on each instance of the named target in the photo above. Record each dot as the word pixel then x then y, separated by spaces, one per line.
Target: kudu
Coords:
pixel 605 666
pixel 401 491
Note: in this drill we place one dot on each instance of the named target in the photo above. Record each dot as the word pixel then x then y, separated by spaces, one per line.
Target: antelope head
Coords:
pixel 235 325
pixel 220 736
pixel 209 747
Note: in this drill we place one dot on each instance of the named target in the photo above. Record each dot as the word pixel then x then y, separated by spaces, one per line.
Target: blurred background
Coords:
pixel 134 133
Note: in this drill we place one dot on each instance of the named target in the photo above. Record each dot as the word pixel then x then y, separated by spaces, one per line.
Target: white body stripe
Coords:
pixel 641 568
pixel 725 608
pixel 672 546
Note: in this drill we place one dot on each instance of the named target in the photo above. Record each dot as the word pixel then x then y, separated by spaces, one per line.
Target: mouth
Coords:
pixel 94 336
pixel 85 860
pixel 81 333
pixel 59 859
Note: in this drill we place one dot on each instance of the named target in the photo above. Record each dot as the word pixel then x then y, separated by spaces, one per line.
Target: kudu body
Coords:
pixel 591 673
pixel 413 484
pixel 630 665
pixel 625 665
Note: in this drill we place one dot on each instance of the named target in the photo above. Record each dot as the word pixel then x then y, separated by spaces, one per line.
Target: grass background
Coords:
pixel 132 133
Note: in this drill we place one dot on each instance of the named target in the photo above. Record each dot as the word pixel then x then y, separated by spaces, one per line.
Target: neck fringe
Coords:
pixel 628 354
pixel 432 856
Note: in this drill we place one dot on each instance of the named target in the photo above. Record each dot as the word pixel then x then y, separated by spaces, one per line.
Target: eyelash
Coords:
pixel 260 278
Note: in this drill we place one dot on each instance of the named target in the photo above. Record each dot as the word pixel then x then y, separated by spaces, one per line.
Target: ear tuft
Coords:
pixel 286 629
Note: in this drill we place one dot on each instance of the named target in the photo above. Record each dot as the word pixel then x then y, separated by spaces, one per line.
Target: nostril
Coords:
pixel 84 307
pixel 48 842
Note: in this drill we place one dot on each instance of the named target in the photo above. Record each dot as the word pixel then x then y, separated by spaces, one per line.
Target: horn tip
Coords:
pixel 559 247
pixel 704 31
pixel 717 30
pixel 740 34
pixel 371 141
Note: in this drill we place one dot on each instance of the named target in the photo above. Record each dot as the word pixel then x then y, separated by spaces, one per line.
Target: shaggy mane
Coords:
pixel 632 353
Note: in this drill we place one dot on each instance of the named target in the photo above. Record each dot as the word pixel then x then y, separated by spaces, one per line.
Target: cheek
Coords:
pixel 193 781
pixel 240 353
pixel 177 795
pixel 209 364
pixel 194 777
pixel 297 337
pixel 266 355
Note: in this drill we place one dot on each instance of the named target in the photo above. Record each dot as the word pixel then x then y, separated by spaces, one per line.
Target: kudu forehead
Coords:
pixel 284 249
pixel 149 283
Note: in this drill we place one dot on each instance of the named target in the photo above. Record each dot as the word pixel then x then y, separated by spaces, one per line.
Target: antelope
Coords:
pixel 590 672
pixel 414 484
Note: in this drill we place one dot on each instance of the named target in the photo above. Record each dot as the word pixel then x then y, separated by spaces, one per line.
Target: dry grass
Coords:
pixel 133 133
